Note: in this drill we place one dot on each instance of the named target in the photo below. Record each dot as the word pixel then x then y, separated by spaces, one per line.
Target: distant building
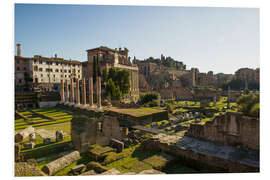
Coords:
pixel 43 70
pixel 247 74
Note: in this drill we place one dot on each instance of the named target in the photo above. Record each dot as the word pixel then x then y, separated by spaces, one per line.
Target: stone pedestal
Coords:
pixel 90 85
pixel 62 92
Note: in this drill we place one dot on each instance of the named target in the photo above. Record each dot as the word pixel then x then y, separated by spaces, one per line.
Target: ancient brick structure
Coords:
pixel 247 74
pixel 230 129
pixel 86 131
pixel 109 58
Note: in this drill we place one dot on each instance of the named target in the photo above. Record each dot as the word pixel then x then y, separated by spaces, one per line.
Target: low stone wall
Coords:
pixel 47 103
pixel 42 115
pixel 142 120
pixel 198 160
pixel 230 129
pixel 41 152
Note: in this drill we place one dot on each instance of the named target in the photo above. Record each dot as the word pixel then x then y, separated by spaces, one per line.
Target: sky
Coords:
pixel 211 39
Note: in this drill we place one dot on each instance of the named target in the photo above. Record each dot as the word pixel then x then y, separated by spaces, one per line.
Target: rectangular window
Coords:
pixel 65 70
pixel 69 71
pixel 40 62
pixel 40 69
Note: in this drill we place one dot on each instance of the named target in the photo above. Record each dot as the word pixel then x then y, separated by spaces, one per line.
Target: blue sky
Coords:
pixel 217 39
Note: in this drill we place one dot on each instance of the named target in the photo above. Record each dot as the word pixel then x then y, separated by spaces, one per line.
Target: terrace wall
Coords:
pixel 141 120
pixel 230 129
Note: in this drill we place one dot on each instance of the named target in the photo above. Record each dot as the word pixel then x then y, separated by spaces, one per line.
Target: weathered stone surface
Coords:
pixel 24 169
pixel 96 167
pixel 151 171
pixel 97 151
pixel 111 172
pixel 83 132
pixel 61 163
pixel 87 173
pixel 29 145
pixel 78 169
pixel 59 135
pixel 24 134
pixel 17 152
pixel 46 140
pixel 231 128
pixel 87 131
pixel 32 162
pixel 159 161
pixel 32 137
pixel 118 145
pixel 206 154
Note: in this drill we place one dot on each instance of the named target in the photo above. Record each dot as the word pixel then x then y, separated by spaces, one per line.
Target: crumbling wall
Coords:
pixel 86 131
pixel 83 132
pixel 198 160
pixel 230 129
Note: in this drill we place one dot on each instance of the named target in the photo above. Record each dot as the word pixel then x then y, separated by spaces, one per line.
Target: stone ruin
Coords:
pixel 233 128
pixel 87 131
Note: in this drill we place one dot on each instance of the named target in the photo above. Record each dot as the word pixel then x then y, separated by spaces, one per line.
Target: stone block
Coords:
pixel 59 136
pixel 46 140
pixel 29 145
pixel 118 145
pixel 78 169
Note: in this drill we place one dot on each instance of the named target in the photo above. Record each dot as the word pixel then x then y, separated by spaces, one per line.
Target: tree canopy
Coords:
pixel 249 104
pixel 117 82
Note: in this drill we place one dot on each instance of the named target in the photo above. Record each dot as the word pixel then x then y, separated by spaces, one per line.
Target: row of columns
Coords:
pixel 67 94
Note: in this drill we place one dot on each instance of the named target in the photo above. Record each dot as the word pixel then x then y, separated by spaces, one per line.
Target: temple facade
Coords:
pixel 109 58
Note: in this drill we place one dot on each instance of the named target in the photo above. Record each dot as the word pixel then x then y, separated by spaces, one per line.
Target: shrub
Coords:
pixel 170 108
pixel 151 99
pixel 249 104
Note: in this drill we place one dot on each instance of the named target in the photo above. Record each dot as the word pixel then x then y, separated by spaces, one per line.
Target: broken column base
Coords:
pixel 90 107
pixel 99 108
pixel 77 105
pixel 61 102
pixel 83 106
pixel 71 104
pixel 66 103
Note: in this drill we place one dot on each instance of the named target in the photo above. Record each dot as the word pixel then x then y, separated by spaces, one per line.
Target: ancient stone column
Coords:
pixel 67 93
pixel 229 98
pixel 62 91
pixel 215 100
pixel 98 88
pixel 72 92
pixel 83 92
pixel 77 92
pixel 90 85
